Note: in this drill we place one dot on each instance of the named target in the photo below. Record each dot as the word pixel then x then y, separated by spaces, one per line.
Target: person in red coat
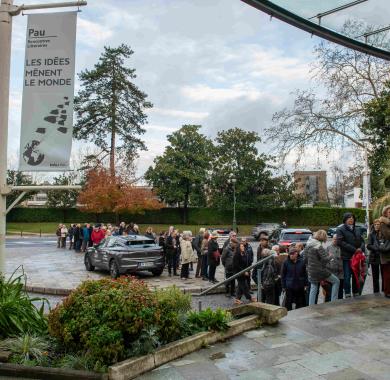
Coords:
pixel 97 235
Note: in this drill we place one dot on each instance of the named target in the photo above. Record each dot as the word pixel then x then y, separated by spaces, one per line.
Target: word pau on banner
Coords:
pixel 48 90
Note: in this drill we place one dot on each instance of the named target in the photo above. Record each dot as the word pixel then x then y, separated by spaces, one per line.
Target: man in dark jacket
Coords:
pixel 294 279
pixel 349 239
pixel 264 244
pixel 196 245
pixel 171 252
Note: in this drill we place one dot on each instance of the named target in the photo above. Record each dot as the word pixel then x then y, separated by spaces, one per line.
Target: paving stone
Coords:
pixel 162 373
pixel 347 374
pixel 293 370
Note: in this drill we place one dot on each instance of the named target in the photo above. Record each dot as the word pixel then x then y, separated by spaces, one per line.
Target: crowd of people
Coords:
pixel 292 276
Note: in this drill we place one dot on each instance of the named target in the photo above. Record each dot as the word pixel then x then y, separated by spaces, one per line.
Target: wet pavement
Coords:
pixel 346 340
pixel 48 267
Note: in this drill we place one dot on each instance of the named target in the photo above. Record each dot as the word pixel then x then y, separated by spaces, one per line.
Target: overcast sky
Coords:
pixel 219 63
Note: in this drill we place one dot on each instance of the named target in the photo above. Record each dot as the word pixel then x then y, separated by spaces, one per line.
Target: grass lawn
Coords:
pixel 50 228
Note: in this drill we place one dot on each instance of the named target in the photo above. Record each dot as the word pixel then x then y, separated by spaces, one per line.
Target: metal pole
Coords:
pixel 367 174
pixel 259 290
pixel 5 63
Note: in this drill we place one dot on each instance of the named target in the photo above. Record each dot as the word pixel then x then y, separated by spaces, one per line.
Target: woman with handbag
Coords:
pixel 384 248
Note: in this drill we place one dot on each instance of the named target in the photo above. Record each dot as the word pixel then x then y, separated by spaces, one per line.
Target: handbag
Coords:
pixel 217 257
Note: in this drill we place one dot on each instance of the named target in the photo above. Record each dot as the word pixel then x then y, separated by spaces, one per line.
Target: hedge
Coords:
pixel 296 217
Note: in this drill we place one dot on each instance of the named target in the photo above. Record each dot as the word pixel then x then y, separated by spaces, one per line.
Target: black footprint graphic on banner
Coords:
pixel 31 154
pixel 57 116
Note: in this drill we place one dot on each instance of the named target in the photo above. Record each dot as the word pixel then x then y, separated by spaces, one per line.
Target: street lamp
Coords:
pixel 233 181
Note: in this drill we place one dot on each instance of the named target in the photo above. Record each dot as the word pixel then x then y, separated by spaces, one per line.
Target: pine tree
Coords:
pixel 110 107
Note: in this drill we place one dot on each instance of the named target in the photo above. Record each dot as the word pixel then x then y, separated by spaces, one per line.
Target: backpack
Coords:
pixel 268 275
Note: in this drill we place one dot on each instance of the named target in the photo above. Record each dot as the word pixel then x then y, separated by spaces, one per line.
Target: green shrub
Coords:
pixel 173 304
pixel 18 314
pixel 209 320
pixel 27 349
pixel 102 318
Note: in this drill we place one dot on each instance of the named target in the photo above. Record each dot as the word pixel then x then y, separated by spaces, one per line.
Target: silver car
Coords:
pixel 126 254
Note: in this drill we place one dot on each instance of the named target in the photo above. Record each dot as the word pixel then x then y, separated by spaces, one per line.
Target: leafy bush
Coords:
pixel 26 349
pixel 209 320
pixel 102 318
pixel 18 314
pixel 173 304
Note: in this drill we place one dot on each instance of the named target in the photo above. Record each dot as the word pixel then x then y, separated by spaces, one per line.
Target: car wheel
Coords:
pixel 157 273
pixel 114 270
pixel 88 264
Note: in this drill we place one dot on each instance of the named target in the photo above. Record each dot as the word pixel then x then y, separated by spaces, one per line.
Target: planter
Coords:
pixel 17 370
pixel 256 314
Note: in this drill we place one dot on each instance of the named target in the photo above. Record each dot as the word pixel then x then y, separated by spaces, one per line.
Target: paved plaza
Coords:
pixel 49 269
pixel 346 340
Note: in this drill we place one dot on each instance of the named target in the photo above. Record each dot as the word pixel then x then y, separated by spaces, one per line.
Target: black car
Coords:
pixel 268 228
pixel 126 254
pixel 362 227
pixel 287 236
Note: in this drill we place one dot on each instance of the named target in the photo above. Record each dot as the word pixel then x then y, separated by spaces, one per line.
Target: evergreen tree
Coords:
pixel 178 176
pixel 110 107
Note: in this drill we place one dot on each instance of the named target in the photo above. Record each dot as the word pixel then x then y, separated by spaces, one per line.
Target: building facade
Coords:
pixel 311 185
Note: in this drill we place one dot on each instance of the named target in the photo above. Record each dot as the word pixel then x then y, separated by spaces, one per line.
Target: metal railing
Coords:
pixel 255 265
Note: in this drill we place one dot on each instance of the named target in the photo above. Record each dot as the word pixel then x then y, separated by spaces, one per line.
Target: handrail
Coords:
pixel 234 276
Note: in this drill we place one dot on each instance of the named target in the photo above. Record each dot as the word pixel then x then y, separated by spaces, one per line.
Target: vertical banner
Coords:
pixel 48 89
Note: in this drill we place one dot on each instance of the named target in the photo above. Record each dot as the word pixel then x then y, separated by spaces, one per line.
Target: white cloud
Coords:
pixel 178 113
pixel 91 33
pixel 211 94
pixel 159 128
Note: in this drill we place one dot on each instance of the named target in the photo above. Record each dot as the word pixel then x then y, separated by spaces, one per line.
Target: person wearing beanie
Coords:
pixel 384 248
pixel 294 279
pixel 349 239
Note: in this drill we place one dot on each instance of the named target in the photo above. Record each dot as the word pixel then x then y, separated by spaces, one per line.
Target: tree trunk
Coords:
pixel 113 124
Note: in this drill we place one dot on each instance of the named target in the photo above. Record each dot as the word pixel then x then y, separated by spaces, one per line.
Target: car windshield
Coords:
pixel 140 242
pixel 300 236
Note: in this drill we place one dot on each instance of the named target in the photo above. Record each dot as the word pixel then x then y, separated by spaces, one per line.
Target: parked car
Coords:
pixel 286 237
pixel 223 235
pixel 363 229
pixel 269 228
pixel 126 254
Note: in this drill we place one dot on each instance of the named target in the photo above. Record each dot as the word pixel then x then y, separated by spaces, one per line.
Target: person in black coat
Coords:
pixel 212 254
pixel 294 279
pixel 239 264
pixel 171 252
pixel 349 239
pixel 374 257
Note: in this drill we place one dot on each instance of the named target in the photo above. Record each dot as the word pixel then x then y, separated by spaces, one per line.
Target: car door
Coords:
pixel 99 252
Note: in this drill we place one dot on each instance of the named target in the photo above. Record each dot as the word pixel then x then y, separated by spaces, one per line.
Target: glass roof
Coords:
pixel 327 19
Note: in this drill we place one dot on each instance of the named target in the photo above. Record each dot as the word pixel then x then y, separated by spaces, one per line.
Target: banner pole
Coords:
pixel 5 63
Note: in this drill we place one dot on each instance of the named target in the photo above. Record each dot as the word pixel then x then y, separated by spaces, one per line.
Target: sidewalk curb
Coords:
pixel 66 292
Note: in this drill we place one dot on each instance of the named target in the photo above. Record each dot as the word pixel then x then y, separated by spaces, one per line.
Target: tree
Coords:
pixel 237 157
pixel 17 178
pixel 376 127
pixel 344 179
pixel 178 176
pixel 110 107
pixel 350 80
pixel 63 199
pixel 106 193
